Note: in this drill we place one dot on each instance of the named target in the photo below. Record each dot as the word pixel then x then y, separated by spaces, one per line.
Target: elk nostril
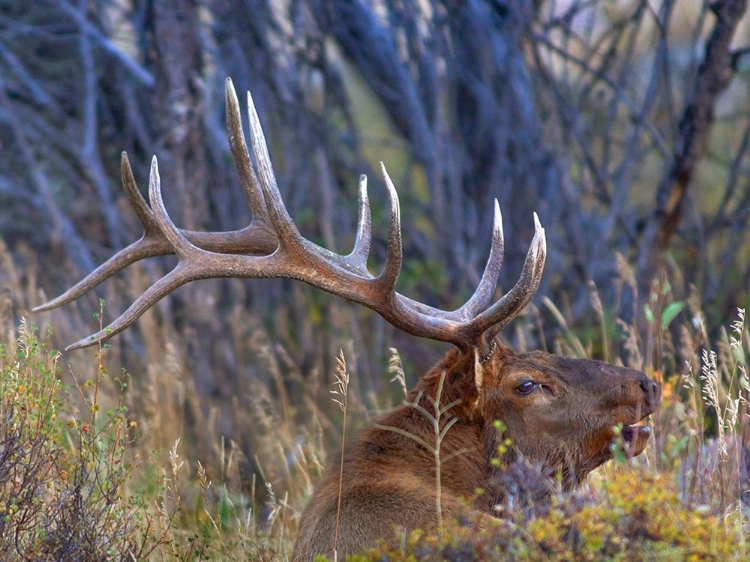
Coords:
pixel 649 388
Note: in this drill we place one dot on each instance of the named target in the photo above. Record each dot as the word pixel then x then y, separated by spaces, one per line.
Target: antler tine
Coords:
pixel 188 268
pixel 483 294
pixel 500 314
pixel 279 217
pixel 175 278
pixel 149 245
pixel 241 157
pixel 143 248
pixel 360 253
pixel 255 238
pixel 137 202
pixel 394 253
pixel 180 245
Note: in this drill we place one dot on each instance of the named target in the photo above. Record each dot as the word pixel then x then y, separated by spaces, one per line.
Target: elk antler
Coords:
pixel 285 253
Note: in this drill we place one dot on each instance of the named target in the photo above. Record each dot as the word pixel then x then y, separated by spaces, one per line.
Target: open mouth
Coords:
pixel 636 437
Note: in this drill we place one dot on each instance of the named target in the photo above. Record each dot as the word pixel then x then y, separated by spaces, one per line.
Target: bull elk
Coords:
pixel 558 412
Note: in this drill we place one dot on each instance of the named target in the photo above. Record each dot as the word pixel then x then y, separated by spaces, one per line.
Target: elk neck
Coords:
pixel 469 444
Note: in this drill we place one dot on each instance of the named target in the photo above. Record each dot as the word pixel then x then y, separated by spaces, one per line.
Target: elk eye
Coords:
pixel 526 388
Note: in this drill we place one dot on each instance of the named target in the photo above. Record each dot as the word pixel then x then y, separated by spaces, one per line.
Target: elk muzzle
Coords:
pixel 566 414
pixel 640 399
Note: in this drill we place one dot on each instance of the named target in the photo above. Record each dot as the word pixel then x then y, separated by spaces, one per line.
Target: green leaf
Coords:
pixel 670 312
pixel 648 313
pixel 665 288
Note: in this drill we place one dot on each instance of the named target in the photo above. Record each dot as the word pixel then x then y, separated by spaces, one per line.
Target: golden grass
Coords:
pixel 226 478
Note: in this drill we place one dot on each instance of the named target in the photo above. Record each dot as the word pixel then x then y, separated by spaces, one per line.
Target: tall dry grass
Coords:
pixel 211 491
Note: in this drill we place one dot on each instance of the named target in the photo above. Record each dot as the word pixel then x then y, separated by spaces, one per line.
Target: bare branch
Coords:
pixel 714 75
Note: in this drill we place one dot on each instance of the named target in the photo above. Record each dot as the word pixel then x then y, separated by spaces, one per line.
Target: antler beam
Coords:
pixel 271 246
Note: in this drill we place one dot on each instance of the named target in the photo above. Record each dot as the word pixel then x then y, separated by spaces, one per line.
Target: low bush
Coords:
pixel 63 466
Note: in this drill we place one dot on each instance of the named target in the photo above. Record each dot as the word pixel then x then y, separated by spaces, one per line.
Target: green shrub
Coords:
pixel 63 468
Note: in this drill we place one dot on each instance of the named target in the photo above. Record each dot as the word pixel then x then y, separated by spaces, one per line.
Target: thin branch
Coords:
pixel 63 230
pixel 616 89
pixel 714 76
pixel 138 72
pixel 89 151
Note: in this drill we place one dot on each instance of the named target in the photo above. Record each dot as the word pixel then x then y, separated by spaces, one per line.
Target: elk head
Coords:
pixel 558 412
pixel 564 413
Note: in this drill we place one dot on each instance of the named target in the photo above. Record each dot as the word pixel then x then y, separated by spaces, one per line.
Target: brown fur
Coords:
pixel 565 425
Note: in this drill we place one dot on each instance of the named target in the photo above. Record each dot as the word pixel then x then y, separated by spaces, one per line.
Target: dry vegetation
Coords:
pixel 98 465
pixel 599 115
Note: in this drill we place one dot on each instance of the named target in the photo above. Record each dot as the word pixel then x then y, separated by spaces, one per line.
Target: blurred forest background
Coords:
pixel 624 125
